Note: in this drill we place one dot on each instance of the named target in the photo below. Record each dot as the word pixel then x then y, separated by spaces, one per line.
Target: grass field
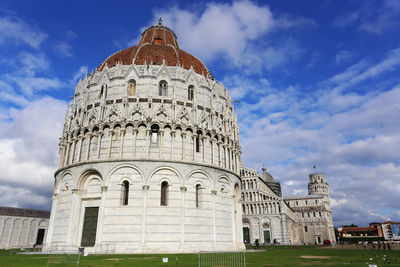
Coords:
pixel 270 256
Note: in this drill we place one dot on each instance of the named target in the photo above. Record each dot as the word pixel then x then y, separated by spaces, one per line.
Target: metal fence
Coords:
pixel 65 257
pixel 222 259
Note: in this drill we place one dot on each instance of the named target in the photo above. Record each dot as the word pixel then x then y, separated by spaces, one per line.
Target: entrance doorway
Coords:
pixel 89 227
pixel 40 236
pixel 246 235
pixel 266 233
pixel 267 237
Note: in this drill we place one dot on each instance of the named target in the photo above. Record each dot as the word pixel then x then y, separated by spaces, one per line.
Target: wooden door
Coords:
pixel 89 227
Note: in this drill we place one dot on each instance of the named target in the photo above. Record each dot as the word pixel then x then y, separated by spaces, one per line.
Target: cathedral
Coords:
pixel 274 219
pixel 149 162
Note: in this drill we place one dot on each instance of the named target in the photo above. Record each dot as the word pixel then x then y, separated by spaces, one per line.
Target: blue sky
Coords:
pixel 318 84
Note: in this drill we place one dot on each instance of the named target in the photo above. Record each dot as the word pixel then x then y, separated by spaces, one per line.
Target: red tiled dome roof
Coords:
pixel 157 43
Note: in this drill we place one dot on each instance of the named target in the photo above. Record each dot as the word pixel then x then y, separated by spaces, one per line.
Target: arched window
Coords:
pixel 162 88
pixel 154 135
pixel 190 92
pixel 125 192
pixel 164 194
pixel 198 188
pixel 305 228
pixel 132 88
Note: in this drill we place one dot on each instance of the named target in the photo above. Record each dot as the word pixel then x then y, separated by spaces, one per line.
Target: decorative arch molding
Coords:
pixel 165 168
pixel 245 220
pixel 165 179
pixel 43 221
pixel 224 177
pixel 112 171
pixel 197 181
pixel 61 179
pixel 85 175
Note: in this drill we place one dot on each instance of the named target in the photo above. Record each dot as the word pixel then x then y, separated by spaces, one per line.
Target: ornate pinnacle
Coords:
pixel 160 22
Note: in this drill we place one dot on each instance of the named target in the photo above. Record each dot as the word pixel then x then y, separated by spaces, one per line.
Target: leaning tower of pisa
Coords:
pixel 149 156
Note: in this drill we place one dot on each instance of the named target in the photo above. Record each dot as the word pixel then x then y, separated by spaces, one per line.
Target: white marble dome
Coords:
pixel 149 157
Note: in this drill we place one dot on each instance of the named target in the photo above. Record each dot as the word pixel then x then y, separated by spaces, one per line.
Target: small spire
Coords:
pixel 264 168
pixel 160 22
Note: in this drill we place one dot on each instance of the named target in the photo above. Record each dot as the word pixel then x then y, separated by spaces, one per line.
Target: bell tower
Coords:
pixel 318 184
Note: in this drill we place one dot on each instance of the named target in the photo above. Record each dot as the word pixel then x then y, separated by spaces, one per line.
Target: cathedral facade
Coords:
pixel 274 219
pixel 149 158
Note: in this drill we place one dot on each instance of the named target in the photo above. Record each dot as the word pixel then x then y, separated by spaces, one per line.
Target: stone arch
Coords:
pixel 61 179
pixel 224 180
pixel 151 175
pixel 202 172
pixel 85 175
pixel 105 126
pixel 115 169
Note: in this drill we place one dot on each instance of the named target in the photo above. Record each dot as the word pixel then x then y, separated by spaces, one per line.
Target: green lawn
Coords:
pixel 271 256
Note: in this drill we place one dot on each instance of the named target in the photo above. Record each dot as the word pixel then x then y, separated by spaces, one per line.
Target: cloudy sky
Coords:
pixel 318 84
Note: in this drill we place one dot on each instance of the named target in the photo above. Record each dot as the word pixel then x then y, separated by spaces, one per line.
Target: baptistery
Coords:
pixel 149 157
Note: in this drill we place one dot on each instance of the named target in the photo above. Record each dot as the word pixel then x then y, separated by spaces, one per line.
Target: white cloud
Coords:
pixel 15 30
pixel 233 31
pixel 346 19
pixel 356 147
pixel 83 70
pixel 63 49
pixel 30 69
pixel 344 56
pixel 28 142
pixel 371 17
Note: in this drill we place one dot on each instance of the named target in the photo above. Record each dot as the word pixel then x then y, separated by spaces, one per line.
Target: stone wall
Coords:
pixel 20 232
pixel 143 225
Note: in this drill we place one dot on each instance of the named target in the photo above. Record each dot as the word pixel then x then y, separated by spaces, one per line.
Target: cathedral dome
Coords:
pixel 157 46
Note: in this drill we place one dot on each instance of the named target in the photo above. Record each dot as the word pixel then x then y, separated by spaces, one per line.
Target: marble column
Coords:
pixel 135 131
pixel 99 235
pixel 100 135
pixel 73 150
pixel 89 136
pixel 183 191
pixel 161 135
pixel 183 145
pixel 214 227
pixel 147 143
pixel 145 193
pixel 194 138
pixel 110 143
pixel 121 144
pixel 172 144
